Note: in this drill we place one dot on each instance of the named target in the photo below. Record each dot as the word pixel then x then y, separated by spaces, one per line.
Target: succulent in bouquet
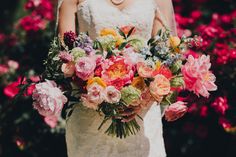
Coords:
pixel 119 75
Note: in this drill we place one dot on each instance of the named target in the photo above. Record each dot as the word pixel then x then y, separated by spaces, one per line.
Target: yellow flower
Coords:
pixel 158 65
pixel 108 31
pixel 138 83
pixel 119 40
pixel 174 41
pixel 97 80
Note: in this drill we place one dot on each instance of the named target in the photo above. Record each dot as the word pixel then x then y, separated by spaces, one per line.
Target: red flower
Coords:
pixel 33 23
pixel 220 105
pixel 12 89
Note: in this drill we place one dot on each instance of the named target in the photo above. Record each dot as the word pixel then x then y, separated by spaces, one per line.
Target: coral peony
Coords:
pixel 117 71
pixel 48 98
pixel 197 76
pixel 175 111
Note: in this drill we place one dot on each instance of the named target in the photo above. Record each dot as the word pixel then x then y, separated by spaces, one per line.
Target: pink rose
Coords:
pixel 68 69
pixel 144 70
pixel 85 67
pixel 159 87
pixel 146 98
pixel 94 97
pixel 175 111
pixel 51 121
pixel 112 95
pixel 48 98
pixel 197 76
pixel 65 57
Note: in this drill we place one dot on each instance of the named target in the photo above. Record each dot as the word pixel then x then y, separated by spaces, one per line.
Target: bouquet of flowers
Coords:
pixel 118 71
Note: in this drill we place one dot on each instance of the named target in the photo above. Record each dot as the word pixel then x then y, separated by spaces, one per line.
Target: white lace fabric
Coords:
pixel 82 137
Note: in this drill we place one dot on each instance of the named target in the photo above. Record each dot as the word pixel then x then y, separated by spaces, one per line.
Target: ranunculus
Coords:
pixel 130 95
pixel 159 87
pixel 51 121
pixel 68 69
pixel 112 95
pixel 175 111
pixel 94 96
pixel 144 70
pixel 197 76
pixel 117 71
pixel 85 67
pixel 48 98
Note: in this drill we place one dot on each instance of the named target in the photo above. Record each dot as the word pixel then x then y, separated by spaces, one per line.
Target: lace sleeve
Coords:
pixel 165 13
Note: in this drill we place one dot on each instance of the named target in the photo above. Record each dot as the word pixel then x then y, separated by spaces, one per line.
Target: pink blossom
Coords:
pixel 13 64
pixel 65 57
pixel 51 121
pixel 48 98
pixel 220 105
pixel 3 69
pixel 12 89
pixel 197 76
pixel 85 67
pixel 175 111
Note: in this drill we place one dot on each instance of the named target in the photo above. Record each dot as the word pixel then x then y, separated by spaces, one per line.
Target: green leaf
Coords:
pixel 176 67
pixel 122 45
pixel 130 31
pixel 121 33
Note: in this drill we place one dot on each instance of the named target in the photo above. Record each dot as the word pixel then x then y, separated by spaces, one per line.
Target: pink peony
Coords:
pixel 175 111
pixel 117 71
pixel 85 67
pixel 94 97
pixel 48 98
pixel 112 95
pixel 51 121
pixel 197 76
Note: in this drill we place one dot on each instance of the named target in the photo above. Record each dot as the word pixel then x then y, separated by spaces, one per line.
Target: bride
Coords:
pixel 148 16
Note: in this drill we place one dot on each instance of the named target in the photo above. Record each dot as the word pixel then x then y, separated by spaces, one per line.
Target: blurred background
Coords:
pixel 209 128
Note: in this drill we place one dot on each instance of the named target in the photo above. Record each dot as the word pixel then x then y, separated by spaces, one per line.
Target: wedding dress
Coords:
pixel 82 136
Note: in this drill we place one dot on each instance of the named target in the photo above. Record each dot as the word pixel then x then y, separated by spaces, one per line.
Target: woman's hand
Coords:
pixel 130 113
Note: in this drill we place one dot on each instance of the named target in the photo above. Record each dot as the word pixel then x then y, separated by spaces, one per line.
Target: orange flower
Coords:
pixel 138 83
pixel 97 80
pixel 174 41
pixel 159 87
pixel 126 29
pixel 163 70
pixel 144 70
pixel 108 31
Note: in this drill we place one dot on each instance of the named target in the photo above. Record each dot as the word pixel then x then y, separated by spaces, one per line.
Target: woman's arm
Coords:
pixel 157 24
pixel 67 16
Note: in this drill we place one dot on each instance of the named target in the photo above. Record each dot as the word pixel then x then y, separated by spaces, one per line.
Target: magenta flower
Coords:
pixel 197 76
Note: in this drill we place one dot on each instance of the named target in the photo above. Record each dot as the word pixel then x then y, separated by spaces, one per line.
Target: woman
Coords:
pixel 148 16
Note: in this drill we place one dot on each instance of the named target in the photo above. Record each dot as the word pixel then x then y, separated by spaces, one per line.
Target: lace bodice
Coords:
pixel 94 15
pixel 82 137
